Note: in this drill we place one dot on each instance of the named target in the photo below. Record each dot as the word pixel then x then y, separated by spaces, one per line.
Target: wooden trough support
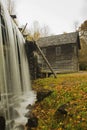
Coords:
pixel 42 54
pixel 24 28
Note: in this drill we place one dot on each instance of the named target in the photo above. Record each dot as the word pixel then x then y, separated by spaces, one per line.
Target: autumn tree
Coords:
pixel 37 31
pixel 83 30
pixel 45 31
pixel 76 25
pixel 83 42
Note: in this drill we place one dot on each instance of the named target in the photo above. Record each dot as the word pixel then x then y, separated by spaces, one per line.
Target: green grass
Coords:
pixel 68 89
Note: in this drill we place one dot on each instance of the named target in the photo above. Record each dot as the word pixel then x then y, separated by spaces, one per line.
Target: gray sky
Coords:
pixel 59 15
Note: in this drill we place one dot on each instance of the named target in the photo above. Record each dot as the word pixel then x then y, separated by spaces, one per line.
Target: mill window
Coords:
pixel 58 51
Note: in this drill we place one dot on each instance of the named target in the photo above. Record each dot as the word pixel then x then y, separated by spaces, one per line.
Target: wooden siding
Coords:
pixel 65 61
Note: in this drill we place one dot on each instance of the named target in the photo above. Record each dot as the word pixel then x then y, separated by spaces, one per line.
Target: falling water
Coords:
pixel 15 85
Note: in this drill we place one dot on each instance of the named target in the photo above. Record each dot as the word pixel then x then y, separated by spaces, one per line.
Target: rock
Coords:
pixel 62 110
pixel 32 122
pixel 2 123
pixel 43 94
pixel 61 113
pixel 30 107
pixel 28 114
pixel 20 127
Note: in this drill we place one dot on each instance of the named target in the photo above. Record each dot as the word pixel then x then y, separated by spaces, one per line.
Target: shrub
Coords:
pixel 83 66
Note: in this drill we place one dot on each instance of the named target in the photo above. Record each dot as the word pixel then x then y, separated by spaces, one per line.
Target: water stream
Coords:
pixel 15 84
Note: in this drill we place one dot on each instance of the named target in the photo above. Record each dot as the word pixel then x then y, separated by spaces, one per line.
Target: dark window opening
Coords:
pixel 58 51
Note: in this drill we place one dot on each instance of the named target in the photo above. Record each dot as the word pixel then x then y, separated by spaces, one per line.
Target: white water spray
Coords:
pixel 15 85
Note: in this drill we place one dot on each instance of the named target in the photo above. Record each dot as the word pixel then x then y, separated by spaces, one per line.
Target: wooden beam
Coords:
pixel 13 16
pixel 42 54
pixel 24 28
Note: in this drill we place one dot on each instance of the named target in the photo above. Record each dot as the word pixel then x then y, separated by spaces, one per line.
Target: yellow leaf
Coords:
pixel 78 117
pixel 60 129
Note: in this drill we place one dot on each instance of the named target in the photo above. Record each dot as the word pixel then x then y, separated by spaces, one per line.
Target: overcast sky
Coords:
pixel 59 15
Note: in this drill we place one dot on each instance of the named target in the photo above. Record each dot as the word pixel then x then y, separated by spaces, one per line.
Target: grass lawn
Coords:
pixel 70 92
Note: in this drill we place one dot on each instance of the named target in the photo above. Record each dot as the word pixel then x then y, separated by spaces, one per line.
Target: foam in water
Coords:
pixel 15 85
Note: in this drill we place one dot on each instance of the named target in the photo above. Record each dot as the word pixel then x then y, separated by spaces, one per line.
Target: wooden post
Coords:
pixel 24 28
pixel 42 54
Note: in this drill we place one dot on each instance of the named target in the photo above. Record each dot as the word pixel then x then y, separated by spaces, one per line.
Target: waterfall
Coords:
pixel 15 84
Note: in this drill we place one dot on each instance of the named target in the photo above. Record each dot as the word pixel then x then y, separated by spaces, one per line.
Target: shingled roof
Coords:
pixel 54 40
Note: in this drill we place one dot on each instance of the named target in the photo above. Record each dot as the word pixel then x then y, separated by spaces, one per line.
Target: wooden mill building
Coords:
pixel 61 51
